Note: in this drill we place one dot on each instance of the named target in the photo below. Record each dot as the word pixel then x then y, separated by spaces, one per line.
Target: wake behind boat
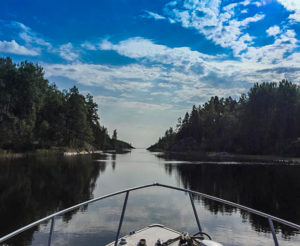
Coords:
pixel 158 235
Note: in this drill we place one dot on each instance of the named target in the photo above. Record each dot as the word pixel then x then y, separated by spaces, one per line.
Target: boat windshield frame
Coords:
pixel 52 217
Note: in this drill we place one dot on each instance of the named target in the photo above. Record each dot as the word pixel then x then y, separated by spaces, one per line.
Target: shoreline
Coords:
pixel 6 155
pixel 84 152
pixel 225 156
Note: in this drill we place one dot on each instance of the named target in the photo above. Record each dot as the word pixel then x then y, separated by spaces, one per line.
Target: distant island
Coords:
pixel 265 121
pixel 35 114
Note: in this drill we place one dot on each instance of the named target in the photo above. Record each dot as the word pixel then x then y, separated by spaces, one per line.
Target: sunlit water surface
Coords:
pixel 36 187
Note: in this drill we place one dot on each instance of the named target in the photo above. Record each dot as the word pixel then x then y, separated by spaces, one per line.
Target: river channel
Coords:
pixel 35 187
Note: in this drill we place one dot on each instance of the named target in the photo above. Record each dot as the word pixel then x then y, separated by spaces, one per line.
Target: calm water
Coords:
pixel 36 187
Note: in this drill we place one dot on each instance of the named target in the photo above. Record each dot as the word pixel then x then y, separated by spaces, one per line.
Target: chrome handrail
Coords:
pixel 250 210
pixel 14 233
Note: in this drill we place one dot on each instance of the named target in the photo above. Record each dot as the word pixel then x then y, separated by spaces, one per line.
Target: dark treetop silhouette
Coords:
pixel 265 121
pixel 35 114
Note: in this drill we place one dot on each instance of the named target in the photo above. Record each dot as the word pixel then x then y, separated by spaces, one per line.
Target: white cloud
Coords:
pixel 128 78
pixel 33 39
pixel 105 45
pixel 189 67
pixel 13 47
pixel 154 16
pixel 135 48
pixel 136 105
pixel 30 37
pixel 165 85
pixel 160 93
pixel 230 6
pixel 88 46
pixel 141 48
pixel 67 52
pixel 220 25
pixel 258 4
pixel 177 67
pixel 273 53
pixel 125 78
pixel 292 5
pixel 200 95
pixel 295 16
pixel 273 30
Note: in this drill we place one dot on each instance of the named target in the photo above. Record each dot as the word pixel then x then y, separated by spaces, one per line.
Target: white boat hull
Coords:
pixel 152 234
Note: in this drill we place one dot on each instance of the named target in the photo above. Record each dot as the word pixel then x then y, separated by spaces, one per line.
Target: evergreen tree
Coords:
pixel 114 139
pixel 35 114
pixel 266 120
pixel 78 129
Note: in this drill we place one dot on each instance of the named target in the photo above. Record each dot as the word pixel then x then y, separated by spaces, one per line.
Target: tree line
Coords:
pixel 266 120
pixel 36 114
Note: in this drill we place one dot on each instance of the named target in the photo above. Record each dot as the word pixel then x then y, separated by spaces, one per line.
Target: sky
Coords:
pixel 146 62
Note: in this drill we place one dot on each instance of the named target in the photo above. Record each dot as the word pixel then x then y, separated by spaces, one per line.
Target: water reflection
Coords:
pixel 114 158
pixel 35 187
pixel 273 189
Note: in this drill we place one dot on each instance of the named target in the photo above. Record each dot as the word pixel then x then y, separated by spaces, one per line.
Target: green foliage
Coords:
pixel 165 142
pixel 265 121
pixel 35 114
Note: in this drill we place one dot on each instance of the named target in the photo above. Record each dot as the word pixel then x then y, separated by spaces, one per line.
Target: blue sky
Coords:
pixel 147 62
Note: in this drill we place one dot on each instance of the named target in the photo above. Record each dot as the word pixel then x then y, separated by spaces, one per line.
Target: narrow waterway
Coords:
pixel 35 187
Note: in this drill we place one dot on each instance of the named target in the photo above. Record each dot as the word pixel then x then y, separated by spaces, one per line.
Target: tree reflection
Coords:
pixel 273 189
pixel 35 187
pixel 113 158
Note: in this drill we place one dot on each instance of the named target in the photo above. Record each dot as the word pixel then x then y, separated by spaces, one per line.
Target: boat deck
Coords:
pixel 151 233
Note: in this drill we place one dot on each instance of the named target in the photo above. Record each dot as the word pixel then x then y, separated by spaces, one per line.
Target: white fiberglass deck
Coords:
pixel 151 233
pixel 154 233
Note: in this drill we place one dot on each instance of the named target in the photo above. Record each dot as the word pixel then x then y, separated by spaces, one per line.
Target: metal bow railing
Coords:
pixel 52 217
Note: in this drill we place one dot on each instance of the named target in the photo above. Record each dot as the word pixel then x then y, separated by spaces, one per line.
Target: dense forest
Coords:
pixel 35 114
pixel 266 120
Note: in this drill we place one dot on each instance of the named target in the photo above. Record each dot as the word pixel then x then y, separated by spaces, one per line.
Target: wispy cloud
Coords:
pixel 141 48
pixel 165 85
pixel 136 105
pixel 29 36
pixel 294 6
pixel 67 52
pixel 161 93
pixel 222 25
pixel 12 47
pixel 273 53
pixel 89 46
pixel 29 42
pixel 181 67
pixel 152 15
pixel 125 78
pixel 273 30
pixel 189 66
pixel 200 95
